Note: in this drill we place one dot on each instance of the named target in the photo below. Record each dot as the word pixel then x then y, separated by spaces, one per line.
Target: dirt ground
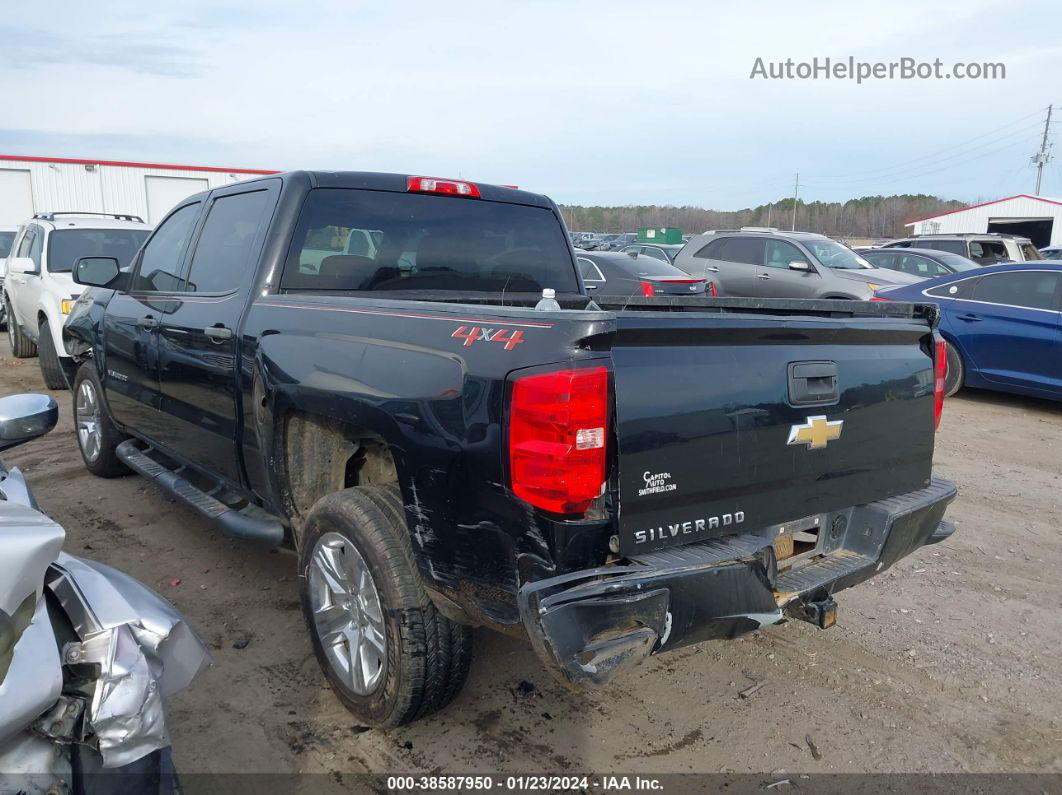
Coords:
pixel 949 662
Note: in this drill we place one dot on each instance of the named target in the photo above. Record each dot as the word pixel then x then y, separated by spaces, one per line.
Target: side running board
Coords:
pixel 249 522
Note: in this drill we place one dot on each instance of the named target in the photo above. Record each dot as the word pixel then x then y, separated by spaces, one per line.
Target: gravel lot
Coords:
pixel 949 662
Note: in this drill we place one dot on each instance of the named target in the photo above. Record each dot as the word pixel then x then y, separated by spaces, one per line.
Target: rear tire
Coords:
pixel 97 435
pixel 49 358
pixel 955 374
pixel 425 657
pixel 22 347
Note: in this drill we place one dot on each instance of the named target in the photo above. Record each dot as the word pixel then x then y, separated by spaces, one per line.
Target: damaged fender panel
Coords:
pixel 135 645
pixel 34 679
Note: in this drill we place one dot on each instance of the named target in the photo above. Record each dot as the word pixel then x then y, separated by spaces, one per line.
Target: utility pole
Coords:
pixel 1042 158
pixel 769 208
pixel 796 194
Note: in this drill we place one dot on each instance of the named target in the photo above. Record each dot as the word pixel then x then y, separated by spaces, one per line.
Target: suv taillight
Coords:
pixel 940 371
pixel 557 427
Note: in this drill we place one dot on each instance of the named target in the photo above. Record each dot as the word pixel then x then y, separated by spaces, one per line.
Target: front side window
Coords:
pixel 921 266
pixel 834 255
pixel 225 251
pixel 160 262
pixel 1027 289
pixel 67 246
pixel 781 252
pixel 426 242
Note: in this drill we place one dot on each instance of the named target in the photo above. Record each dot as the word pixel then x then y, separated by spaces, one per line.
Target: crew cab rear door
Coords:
pixel 199 338
pixel 132 319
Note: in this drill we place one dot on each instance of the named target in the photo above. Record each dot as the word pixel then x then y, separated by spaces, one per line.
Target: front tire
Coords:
pixel 51 370
pixel 97 435
pixel 955 374
pixel 390 656
pixel 22 347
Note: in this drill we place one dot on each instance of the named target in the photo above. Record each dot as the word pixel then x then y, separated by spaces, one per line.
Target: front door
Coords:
pixel 781 280
pixel 131 322
pixel 199 340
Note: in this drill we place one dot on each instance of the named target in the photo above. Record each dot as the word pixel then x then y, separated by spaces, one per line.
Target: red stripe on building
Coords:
pixel 134 164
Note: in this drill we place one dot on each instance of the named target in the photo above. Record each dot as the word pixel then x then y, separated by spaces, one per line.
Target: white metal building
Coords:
pixel 1038 218
pixel 31 185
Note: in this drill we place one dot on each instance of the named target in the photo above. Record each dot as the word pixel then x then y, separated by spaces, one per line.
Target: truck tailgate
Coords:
pixel 713 437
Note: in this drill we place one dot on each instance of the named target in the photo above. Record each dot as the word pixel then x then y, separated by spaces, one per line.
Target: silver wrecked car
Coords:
pixel 88 655
pixel 767 263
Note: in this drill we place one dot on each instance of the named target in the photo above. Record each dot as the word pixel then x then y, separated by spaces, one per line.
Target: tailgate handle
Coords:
pixel 813 383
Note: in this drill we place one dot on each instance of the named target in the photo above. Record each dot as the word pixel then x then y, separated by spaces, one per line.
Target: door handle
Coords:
pixel 218 333
pixel 763 276
pixel 969 318
pixel 148 322
pixel 711 270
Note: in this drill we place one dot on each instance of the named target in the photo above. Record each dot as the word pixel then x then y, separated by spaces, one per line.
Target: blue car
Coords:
pixel 1002 325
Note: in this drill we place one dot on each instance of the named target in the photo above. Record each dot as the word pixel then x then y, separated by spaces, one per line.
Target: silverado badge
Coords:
pixel 816 433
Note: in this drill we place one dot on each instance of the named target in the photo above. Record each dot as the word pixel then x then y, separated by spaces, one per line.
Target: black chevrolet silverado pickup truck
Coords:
pixel 353 365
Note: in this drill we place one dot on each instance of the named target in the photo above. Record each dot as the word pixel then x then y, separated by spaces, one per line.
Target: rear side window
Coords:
pixel 1029 252
pixel 954 246
pixel 590 271
pixel 1028 289
pixel 66 246
pixel 963 288
pixel 415 241
pixel 6 241
pixel 160 262
pixel 226 246
pixel 748 250
pixel 711 250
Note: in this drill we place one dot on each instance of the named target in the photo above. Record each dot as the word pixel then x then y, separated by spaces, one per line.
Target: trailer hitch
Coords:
pixel 821 611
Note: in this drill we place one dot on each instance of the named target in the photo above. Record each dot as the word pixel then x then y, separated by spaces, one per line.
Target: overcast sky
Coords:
pixel 590 102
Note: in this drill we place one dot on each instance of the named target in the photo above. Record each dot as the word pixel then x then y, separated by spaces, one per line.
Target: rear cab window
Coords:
pixel 382 241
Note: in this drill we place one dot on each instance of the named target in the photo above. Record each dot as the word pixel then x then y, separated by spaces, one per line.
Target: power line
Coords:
pixel 950 148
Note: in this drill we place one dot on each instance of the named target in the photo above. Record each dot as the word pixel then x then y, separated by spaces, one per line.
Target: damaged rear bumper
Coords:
pixel 590 625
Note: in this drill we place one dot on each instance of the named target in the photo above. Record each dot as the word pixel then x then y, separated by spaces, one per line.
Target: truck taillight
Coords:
pixel 940 370
pixel 712 291
pixel 449 187
pixel 557 427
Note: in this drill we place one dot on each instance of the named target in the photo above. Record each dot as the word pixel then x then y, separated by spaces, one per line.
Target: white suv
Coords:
pixel 39 291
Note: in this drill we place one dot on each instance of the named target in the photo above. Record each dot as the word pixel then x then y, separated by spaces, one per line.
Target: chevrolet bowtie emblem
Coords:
pixel 816 433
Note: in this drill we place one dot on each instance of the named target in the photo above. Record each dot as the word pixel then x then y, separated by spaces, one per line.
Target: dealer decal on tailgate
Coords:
pixel 473 334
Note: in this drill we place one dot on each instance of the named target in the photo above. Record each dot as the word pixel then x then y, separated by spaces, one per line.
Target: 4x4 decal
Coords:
pixel 505 335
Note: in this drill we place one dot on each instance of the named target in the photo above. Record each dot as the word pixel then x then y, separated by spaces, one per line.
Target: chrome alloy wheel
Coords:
pixel 347 613
pixel 87 419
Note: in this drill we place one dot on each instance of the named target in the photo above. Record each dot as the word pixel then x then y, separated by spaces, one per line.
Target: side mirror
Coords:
pixel 799 265
pixel 25 417
pixel 21 265
pixel 96 271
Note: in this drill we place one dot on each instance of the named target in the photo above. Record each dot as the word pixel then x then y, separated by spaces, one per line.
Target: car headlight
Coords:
pixel 66 306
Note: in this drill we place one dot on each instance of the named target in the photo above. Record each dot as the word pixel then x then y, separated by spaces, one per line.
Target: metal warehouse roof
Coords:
pixel 1045 199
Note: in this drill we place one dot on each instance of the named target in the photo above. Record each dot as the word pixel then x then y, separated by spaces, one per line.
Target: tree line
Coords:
pixel 869 216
